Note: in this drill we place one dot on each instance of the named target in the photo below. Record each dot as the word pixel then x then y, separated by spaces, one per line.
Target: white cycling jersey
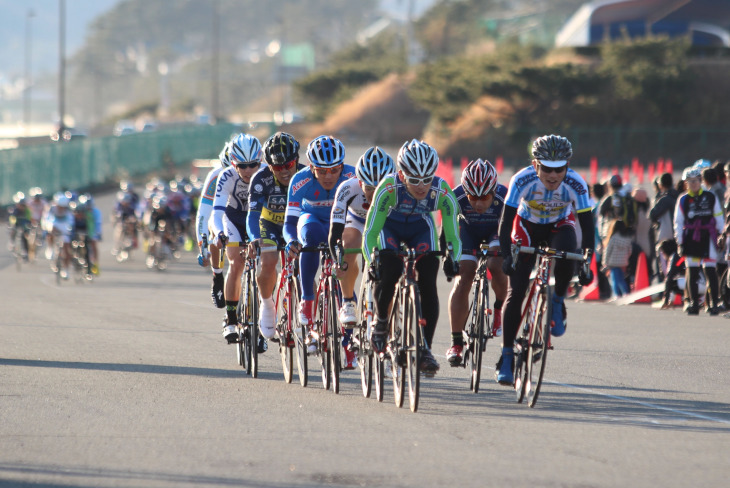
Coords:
pixel 231 200
pixel 537 204
pixel 349 202
pixel 205 207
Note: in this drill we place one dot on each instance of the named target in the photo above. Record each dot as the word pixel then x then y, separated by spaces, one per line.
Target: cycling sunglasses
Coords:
pixel 548 169
pixel 249 165
pixel 287 165
pixel 480 198
pixel 413 180
pixel 328 171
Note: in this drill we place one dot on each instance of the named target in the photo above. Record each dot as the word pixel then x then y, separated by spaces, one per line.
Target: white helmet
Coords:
pixel 418 159
pixel 373 166
pixel 225 156
pixel 245 149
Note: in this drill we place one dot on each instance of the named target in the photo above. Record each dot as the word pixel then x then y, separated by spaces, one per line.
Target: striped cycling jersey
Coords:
pixel 537 204
pixel 393 203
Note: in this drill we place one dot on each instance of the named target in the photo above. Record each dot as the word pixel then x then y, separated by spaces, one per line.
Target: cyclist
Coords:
pixel 83 223
pixel 698 221
pixel 203 225
pixel 481 200
pixel 20 218
pixel 95 238
pixel 59 225
pixel 307 218
pixel 266 207
pixel 230 207
pixel 541 203
pixel 347 221
pixel 401 212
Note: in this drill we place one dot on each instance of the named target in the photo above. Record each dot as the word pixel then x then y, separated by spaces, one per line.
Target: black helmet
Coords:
pixel 552 148
pixel 281 148
pixel 615 182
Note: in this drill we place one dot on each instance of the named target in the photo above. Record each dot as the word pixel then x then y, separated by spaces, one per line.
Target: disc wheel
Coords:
pixel 539 345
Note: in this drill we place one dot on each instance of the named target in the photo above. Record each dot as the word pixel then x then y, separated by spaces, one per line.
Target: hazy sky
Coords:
pixel 79 13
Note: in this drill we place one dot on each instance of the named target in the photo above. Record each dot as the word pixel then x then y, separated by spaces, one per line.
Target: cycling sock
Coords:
pixel 231 306
pixel 217 270
pixel 457 339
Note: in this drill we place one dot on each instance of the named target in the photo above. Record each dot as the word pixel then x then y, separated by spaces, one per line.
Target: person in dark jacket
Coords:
pixel 661 215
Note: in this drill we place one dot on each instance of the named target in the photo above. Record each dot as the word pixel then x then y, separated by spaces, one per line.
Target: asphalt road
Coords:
pixel 126 381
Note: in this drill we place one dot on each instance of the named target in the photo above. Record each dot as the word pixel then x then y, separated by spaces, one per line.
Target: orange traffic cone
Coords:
pixel 591 292
pixel 641 279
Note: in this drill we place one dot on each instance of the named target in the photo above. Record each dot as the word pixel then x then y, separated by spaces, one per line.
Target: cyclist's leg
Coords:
pixel 459 306
pixel 351 238
pixel 216 248
pixel 236 263
pixel 563 238
pixel 499 285
pixel 311 232
pixel 266 276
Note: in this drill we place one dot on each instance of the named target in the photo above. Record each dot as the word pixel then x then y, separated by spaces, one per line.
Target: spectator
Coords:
pixel 674 270
pixel 616 256
pixel 662 214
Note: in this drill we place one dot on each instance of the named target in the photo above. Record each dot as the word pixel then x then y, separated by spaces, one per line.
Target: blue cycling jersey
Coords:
pixel 307 196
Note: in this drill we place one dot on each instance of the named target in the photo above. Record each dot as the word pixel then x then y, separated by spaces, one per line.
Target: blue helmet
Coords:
pixel 326 152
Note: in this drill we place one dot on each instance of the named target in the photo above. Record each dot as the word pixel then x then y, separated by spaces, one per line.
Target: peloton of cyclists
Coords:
pixel 539 208
pixel 347 221
pixel 481 200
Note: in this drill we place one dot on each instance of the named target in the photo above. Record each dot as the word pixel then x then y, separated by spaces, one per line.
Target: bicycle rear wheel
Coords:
pixel 539 344
pixel 360 337
pixel 285 335
pixel 522 344
pixel 477 335
pixel 397 344
pixel 412 345
pixel 334 340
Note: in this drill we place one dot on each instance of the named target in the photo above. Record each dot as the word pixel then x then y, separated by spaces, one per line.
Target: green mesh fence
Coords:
pixel 82 163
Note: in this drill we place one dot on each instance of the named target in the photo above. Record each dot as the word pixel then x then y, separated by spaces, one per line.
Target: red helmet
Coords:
pixel 479 178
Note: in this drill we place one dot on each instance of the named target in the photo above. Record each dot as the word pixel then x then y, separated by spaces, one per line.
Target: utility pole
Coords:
pixel 28 71
pixel 61 66
pixel 215 75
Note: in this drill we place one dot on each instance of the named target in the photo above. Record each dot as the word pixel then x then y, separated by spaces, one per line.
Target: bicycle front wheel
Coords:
pixel 333 333
pixel 397 344
pixel 360 337
pixel 539 344
pixel 285 334
pixel 477 335
pixel 299 330
pixel 253 321
pixel 412 345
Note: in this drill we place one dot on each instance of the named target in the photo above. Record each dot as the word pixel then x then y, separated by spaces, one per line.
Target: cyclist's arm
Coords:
pixel 256 201
pixel 297 188
pixel 338 215
pixel 220 201
pixel 587 227
pixel 506 222
pixel 383 200
pixel 449 208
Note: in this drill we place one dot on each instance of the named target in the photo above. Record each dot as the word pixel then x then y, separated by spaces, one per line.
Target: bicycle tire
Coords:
pixel 412 342
pixel 365 354
pixel 321 326
pixel 539 344
pixel 379 378
pixel 397 345
pixel 286 337
pixel 477 336
pixel 333 334
pixel 253 321
pixel 299 330
pixel 522 342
